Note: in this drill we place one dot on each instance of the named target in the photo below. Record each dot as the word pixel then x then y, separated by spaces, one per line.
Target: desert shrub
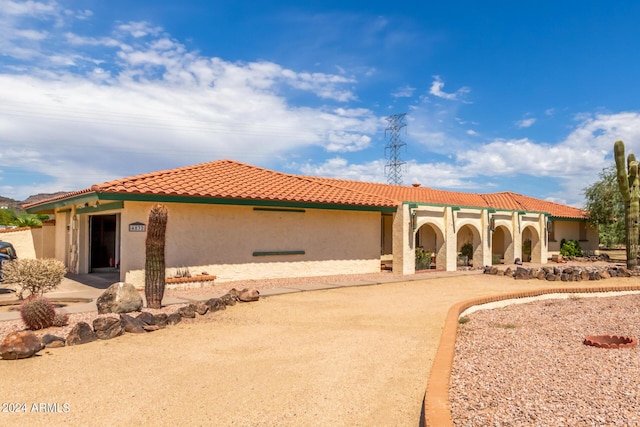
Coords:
pixel 37 312
pixel 423 259
pixel 35 276
pixel 61 319
pixel 467 250
pixel 570 248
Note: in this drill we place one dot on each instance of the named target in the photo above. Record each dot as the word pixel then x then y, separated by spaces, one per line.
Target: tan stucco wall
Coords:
pixel 570 230
pixel 31 243
pixel 221 240
pixel 22 241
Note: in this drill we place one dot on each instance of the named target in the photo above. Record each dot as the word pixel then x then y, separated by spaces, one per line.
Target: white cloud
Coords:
pixel 436 90
pixel 472 132
pixel 137 100
pixel 404 92
pixel 525 123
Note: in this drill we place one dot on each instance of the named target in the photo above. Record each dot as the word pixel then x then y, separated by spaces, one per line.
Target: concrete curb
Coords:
pixel 436 410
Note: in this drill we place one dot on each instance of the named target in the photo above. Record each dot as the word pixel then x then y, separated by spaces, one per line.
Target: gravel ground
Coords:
pixel 526 365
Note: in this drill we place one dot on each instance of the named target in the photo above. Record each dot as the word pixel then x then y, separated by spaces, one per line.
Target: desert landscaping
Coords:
pixel 352 355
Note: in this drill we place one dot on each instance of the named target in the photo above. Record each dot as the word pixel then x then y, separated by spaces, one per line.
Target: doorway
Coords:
pixel 103 248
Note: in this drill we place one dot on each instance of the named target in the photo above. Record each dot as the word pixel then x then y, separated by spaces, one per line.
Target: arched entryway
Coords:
pixel 430 239
pixel 502 249
pixel 469 246
pixel 531 246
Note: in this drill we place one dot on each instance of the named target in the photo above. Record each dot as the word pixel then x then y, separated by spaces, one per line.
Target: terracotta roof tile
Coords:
pixel 228 179
pixel 234 180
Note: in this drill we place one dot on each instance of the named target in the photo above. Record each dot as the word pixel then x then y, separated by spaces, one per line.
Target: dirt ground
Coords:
pixel 356 356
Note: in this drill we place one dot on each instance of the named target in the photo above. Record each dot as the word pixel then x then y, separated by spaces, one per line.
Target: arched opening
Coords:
pixel 502 246
pixel 531 246
pixel 469 247
pixel 430 239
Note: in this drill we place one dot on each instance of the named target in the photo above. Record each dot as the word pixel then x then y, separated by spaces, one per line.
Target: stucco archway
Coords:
pixel 502 245
pixel 431 239
pixel 469 234
pixel 531 245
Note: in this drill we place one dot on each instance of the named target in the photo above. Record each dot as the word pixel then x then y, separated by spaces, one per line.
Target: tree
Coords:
pixel 154 277
pixel 605 207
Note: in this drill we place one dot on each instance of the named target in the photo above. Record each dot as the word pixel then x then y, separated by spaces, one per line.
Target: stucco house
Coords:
pixel 238 221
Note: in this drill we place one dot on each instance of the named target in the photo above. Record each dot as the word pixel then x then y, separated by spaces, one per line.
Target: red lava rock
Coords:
pixel 610 341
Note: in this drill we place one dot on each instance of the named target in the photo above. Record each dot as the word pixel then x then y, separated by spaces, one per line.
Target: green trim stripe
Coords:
pixel 164 198
pixel 271 253
pixel 279 210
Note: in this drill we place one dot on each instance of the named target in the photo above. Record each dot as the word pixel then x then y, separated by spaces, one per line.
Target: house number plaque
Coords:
pixel 137 227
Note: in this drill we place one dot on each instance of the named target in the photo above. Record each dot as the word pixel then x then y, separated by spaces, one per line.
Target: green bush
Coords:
pixel 467 250
pixel 423 259
pixel 570 248
pixel 35 276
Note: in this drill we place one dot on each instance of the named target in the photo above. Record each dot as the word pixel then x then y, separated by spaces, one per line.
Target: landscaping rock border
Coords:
pixel 572 273
pixel 105 328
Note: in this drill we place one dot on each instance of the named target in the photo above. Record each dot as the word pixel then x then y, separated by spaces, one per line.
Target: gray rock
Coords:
pixel 53 341
pixel 146 318
pixel 217 304
pixel 161 319
pixel 201 308
pixel 229 299
pixel 20 345
pixel 249 295
pixel 174 319
pixel 188 311
pixel 131 324
pixel 119 298
pixel 107 328
pixel 82 333
pixel 522 273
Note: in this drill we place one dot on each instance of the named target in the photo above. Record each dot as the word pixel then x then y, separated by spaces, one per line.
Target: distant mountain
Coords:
pixel 16 205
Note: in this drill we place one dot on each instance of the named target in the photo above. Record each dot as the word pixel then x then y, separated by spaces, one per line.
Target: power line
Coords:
pixel 393 167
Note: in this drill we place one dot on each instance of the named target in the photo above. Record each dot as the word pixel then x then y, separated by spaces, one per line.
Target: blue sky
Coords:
pixel 499 95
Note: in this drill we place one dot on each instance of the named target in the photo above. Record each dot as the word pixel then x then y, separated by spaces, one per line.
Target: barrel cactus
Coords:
pixel 629 186
pixel 37 312
pixel 154 278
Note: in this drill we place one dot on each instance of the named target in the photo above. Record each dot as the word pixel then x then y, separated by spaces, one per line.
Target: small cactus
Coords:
pixel 61 319
pixel 37 313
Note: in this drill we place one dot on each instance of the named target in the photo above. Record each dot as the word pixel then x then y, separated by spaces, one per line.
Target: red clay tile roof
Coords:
pixel 228 179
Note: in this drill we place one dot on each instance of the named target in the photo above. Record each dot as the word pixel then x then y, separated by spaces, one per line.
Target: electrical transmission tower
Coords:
pixel 393 168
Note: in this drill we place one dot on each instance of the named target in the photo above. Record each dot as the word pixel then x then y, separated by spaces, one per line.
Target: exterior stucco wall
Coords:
pixel 22 240
pixel 571 230
pixel 237 243
pixel 31 243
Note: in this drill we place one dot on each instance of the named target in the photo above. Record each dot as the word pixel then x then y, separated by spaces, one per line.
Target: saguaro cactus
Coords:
pixel 154 276
pixel 629 185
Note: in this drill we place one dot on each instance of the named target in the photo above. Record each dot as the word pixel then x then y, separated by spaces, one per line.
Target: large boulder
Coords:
pixel 20 345
pixel 120 297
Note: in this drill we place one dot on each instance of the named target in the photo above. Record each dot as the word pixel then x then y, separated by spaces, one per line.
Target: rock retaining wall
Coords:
pixel 571 273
